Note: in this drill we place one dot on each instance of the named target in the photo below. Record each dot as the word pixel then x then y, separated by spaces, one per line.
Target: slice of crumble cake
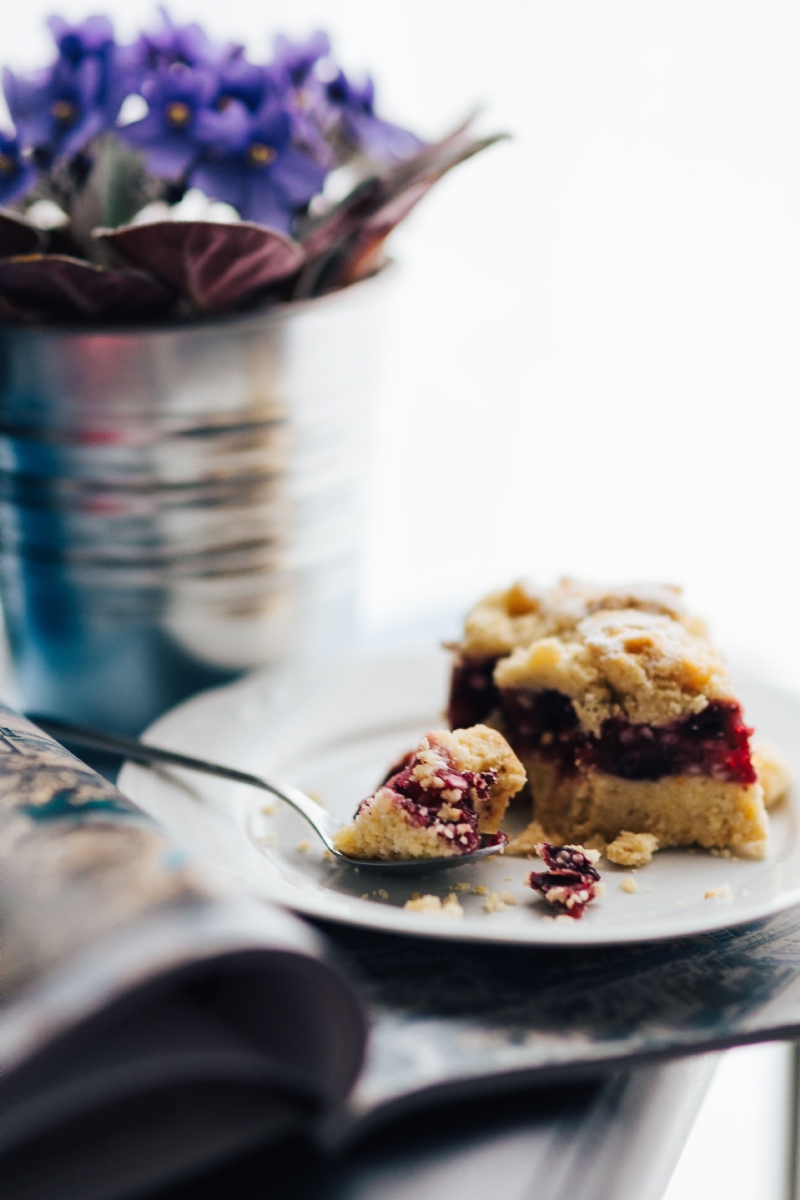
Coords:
pixel 447 797
pixel 625 718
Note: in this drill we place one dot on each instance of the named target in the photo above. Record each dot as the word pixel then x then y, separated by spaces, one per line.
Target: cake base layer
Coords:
pixel 680 810
pixel 384 831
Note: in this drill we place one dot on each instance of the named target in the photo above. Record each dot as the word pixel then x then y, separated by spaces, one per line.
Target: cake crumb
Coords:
pixel 773 771
pixel 423 904
pixel 632 849
pixel 460 887
pixel 493 903
pixel 509 878
pixel 316 796
pixel 303 847
pixel 717 853
pixel 268 809
pixel 365 896
pixel 508 898
pixel 432 905
pixel 596 842
pixel 523 844
pixel 679 904
pixel 629 884
pixel 723 892
pixel 481 889
pixel 327 856
pixel 384 895
pixel 599 889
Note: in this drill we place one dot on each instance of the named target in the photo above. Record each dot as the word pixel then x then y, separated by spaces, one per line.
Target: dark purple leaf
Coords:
pixel 363 253
pixel 214 265
pixel 67 287
pixel 349 237
pixel 15 313
pixel 17 236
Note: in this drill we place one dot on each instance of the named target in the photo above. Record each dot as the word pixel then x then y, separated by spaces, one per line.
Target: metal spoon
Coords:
pixel 321 821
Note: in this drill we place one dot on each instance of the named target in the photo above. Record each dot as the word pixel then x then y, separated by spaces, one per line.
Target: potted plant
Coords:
pixel 187 244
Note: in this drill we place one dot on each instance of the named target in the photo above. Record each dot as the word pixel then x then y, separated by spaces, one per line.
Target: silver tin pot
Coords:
pixel 178 505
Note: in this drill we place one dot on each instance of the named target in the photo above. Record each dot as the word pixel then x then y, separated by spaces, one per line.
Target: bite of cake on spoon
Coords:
pixel 445 798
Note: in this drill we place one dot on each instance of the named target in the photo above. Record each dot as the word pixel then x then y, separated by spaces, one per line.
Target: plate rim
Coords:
pixel 353 911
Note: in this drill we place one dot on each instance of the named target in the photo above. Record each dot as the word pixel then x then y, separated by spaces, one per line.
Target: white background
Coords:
pixel 593 360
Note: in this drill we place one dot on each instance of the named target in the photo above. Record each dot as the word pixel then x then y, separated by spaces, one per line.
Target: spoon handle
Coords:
pixel 140 752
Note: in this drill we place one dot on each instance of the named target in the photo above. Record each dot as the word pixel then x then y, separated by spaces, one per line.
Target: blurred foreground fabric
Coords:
pixel 154 1020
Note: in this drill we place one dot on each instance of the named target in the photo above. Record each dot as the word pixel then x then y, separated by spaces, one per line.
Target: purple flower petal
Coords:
pixel 263 203
pixel 355 106
pixel 297 177
pixel 92 36
pixel 224 179
pixel 296 59
pixel 225 130
pixel 382 140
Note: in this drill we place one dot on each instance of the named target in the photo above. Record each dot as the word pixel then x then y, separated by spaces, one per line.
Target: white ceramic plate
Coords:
pixel 333 729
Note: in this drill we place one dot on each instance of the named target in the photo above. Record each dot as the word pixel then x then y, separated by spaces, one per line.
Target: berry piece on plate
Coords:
pixel 445 798
pixel 571 880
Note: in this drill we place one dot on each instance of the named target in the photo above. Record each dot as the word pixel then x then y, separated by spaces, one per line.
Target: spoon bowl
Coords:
pixel 324 824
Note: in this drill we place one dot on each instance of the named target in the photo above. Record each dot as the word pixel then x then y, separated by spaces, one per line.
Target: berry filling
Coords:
pixel 713 743
pixel 448 805
pixel 473 692
pixel 570 883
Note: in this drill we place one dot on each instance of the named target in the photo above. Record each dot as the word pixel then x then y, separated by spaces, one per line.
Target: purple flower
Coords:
pixel 355 107
pixel 178 98
pixel 60 109
pixel 121 70
pixel 17 174
pixel 250 162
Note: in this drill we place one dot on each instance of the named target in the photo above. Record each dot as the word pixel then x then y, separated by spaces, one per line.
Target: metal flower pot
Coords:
pixel 180 504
